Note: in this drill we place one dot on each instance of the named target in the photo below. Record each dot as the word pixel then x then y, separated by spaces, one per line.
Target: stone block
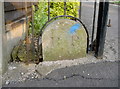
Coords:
pixel 64 39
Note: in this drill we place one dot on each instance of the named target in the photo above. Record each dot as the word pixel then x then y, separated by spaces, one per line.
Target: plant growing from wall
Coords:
pixel 40 17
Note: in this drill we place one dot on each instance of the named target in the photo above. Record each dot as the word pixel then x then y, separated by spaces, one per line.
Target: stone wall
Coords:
pixel 3 40
pixel 10 35
pixel 15 32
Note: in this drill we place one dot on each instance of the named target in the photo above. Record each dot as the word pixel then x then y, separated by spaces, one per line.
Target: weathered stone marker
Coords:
pixel 64 39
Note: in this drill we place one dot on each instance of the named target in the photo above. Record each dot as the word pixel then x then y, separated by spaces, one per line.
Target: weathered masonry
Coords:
pixel 3 44
pixel 64 39
pixel 12 28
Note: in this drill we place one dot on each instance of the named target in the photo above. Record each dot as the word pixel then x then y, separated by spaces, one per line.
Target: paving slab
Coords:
pixel 101 74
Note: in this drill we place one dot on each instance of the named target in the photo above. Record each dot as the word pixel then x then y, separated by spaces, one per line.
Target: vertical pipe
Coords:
pixel 32 28
pixel 101 29
pixel 27 38
pixel 48 10
pixel 26 19
pixel 93 28
pixel 65 7
pixel 80 9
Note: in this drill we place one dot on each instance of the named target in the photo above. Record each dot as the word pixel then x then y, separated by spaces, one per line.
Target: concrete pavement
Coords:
pixel 101 74
pixel 111 43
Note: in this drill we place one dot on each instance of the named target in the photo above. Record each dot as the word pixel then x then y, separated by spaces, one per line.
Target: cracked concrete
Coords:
pixel 20 73
pixel 83 72
pixel 107 75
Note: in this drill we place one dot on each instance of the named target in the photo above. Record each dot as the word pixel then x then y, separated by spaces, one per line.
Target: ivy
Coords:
pixel 56 9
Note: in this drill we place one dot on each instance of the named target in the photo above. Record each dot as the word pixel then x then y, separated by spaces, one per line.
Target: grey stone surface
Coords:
pixel 101 74
pixel 107 72
pixel 9 39
pixel 93 71
pixel 3 50
pixel 15 32
pixel 64 39
pixel 3 43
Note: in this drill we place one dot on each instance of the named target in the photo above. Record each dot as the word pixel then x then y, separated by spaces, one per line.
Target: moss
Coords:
pixel 20 52
pixel 14 53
